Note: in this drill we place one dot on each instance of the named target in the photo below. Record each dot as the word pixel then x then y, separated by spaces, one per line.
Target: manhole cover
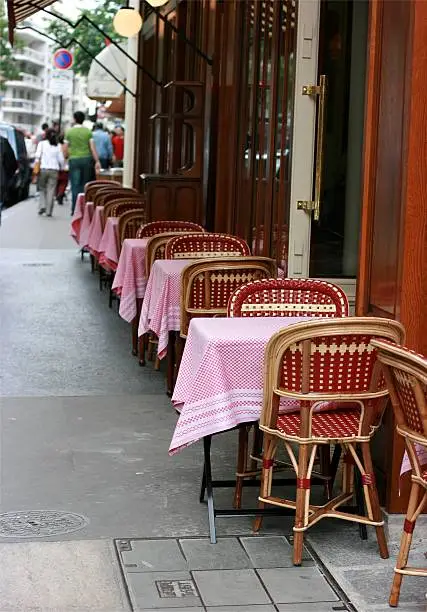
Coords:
pixel 169 589
pixel 39 523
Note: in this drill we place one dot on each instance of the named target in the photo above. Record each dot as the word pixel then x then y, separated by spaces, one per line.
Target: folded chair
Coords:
pixel 313 362
pixel 197 246
pixel 289 297
pixel 164 227
pixel 406 377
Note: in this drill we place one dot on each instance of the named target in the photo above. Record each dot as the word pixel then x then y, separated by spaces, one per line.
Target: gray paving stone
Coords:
pixel 154 556
pixel 145 594
pixel 337 606
pixel 271 552
pixel 241 609
pixel 180 610
pixel 227 553
pixel 297 585
pixel 230 588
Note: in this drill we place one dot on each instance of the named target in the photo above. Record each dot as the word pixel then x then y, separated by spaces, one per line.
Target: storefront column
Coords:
pixel 130 108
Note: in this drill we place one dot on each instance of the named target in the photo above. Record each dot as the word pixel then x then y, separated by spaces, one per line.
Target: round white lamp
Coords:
pixel 127 22
pixel 156 3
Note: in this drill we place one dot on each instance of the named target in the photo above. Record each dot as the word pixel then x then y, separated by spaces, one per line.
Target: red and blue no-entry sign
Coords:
pixel 63 59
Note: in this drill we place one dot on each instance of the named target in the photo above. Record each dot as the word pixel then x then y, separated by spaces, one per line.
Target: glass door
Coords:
pixel 328 140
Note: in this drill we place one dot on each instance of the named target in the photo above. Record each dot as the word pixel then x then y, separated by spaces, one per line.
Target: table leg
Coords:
pixel 171 363
pixel 209 489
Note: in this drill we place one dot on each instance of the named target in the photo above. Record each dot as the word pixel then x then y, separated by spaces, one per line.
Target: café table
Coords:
pixel 160 311
pixel 220 387
pixel 108 250
pixel 422 458
pixel 85 224
pixel 130 280
pixel 77 218
pixel 95 231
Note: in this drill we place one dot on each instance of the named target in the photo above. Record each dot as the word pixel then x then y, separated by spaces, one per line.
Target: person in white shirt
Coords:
pixel 51 160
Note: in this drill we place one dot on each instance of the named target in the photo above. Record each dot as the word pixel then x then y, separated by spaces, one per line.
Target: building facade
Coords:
pixel 29 101
pixel 301 127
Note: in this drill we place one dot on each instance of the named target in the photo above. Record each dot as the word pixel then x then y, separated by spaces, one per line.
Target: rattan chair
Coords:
pixel 130 223
pixel 406 377
pixel 164 227
pixel 116 207
pixel 197 246
pixel 106 195
pixel 287 297
pixel 208 284
pixel 92 187
pixel 325 361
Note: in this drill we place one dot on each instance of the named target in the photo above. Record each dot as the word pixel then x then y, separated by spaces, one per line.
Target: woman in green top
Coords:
pixel 80 150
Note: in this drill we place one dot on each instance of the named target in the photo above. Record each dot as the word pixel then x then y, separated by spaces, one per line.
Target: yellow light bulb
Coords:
pixel 127 22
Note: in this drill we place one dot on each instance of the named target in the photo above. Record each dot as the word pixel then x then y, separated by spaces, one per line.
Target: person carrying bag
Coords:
pixel 49 161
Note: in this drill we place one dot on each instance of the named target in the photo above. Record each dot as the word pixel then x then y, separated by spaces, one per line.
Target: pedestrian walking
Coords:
pixel 103 145
pixel 118 142
pixel 80 150
pixel 51 160
pixel 8 167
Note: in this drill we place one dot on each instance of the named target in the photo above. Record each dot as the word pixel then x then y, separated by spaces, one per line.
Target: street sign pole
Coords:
pixel 61 103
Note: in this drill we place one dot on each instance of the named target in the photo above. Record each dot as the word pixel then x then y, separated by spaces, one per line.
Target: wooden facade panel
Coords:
pixel 384 278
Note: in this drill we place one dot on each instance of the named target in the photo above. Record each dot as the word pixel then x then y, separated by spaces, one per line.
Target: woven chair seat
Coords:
pixel 334 424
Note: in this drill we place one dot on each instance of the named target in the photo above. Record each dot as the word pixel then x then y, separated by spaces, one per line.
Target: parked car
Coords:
pixel 20 186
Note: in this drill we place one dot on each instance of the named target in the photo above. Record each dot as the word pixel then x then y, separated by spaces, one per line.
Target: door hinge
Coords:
pixel 307 205
pixel 311 90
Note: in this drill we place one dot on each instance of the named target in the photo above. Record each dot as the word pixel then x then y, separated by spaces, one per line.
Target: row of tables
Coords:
pixel 216 389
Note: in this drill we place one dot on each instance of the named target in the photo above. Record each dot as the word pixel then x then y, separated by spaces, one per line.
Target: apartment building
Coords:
pixel 28 101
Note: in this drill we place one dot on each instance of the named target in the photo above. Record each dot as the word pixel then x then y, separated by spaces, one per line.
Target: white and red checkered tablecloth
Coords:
pixel 85 225
pixel 77 218
pixel 130 280
pixel 96 230
pixel 220 379
pixel 160 309
pixel 108 250
pixel 422 457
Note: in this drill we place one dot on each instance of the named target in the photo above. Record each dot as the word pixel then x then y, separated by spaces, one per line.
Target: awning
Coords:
pixel 101 84
pixel 18 10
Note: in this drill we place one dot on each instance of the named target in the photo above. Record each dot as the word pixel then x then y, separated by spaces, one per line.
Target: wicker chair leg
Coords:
pixel 157 364
pixel 371 496
pixel 242 454
pixel 270 445
pixel 256 447
pixel 405 543
pixel 303 490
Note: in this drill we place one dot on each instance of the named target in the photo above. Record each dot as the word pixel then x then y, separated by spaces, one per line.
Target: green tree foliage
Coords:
pixel 86 34
pixel 9 69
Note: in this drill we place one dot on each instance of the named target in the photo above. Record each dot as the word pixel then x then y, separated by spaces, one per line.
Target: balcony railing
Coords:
pixel 28 80
pixel 30 55
pixel 18 103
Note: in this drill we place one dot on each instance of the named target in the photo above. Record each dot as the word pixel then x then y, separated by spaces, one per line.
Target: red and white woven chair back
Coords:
pixel 406 376
pixel 208 284
pixel 92 187
pixel 204 245
pixel 288 297
pixel 130 223
pixel 156 248
pixel 106 195
pixel 330 360
pixel 124 206
pixel 163 227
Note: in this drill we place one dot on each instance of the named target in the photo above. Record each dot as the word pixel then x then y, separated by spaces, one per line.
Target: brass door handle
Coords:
pixel 321 91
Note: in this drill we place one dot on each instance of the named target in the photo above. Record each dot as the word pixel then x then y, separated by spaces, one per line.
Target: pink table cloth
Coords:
pixel 130 280
pixel 422 457
pixel 77 218
pixel 161 307
pixel 108 249
pixel 220 379
pixel 95 231
pixel 85 225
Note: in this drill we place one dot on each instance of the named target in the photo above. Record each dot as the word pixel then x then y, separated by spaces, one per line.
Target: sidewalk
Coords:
pixel 85 433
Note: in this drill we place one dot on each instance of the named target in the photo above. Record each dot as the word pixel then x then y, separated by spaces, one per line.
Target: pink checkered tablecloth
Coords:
pixel 77 218
pixel 130 280
pixel 422 456
pixel 220 379
pixel 85 225
pixel 95 231
pixel 108 250
pixel 160 309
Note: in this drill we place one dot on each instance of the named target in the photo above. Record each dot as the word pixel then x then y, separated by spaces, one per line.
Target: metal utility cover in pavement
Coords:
pixel 169 589
pixel 39 523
